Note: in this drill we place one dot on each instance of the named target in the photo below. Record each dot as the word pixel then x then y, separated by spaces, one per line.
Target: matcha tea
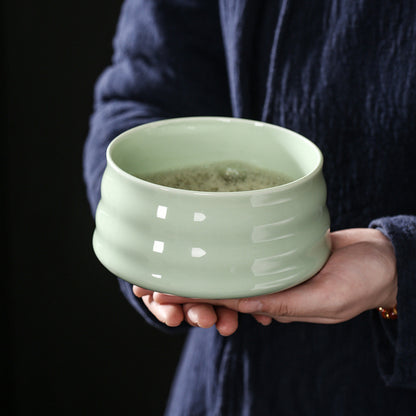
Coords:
pixel 219 177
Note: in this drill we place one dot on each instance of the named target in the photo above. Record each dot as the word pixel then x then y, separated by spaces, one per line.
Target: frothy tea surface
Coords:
pixel 219 177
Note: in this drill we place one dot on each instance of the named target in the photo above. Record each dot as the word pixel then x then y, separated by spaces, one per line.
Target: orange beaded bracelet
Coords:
pixel 390 313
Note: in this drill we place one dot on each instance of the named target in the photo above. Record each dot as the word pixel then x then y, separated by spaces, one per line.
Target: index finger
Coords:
pixel 140 292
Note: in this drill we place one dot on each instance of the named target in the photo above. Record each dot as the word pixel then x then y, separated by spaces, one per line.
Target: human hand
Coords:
pixel 360 275
pixel 195 313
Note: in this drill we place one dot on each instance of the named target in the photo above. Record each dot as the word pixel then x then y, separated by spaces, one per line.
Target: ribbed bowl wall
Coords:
pixel 212 245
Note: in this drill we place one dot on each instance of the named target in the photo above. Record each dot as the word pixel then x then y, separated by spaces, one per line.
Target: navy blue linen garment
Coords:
pixel 342 73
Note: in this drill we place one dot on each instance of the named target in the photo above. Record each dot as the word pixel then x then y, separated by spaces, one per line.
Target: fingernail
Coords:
pixel 193 316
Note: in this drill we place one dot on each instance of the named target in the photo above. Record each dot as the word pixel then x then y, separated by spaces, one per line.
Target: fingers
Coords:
pixel 227 322
pixel 205 316
pixel 139 291
pixel 263 319
pixel 305 303
pixel 201 315
pixel 275 304
pixel 171 315
pixel 297 304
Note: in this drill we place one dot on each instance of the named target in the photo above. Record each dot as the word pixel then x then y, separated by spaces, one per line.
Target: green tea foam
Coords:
pixel 227 176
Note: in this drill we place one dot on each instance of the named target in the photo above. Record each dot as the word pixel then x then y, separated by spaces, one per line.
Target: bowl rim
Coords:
pixel 219 194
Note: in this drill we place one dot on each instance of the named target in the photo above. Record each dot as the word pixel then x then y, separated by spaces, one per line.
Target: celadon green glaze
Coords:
pixel 212 244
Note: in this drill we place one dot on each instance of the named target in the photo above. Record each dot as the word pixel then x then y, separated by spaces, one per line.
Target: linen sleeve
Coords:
pixel 168 61
pixel 396 340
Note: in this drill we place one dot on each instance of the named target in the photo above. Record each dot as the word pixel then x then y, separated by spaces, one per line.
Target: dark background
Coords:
pixel 73 344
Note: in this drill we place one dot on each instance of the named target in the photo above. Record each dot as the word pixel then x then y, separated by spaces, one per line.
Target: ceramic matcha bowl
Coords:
pixel 212 244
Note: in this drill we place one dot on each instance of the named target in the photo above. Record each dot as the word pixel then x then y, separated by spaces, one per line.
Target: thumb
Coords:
pixel 305 300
